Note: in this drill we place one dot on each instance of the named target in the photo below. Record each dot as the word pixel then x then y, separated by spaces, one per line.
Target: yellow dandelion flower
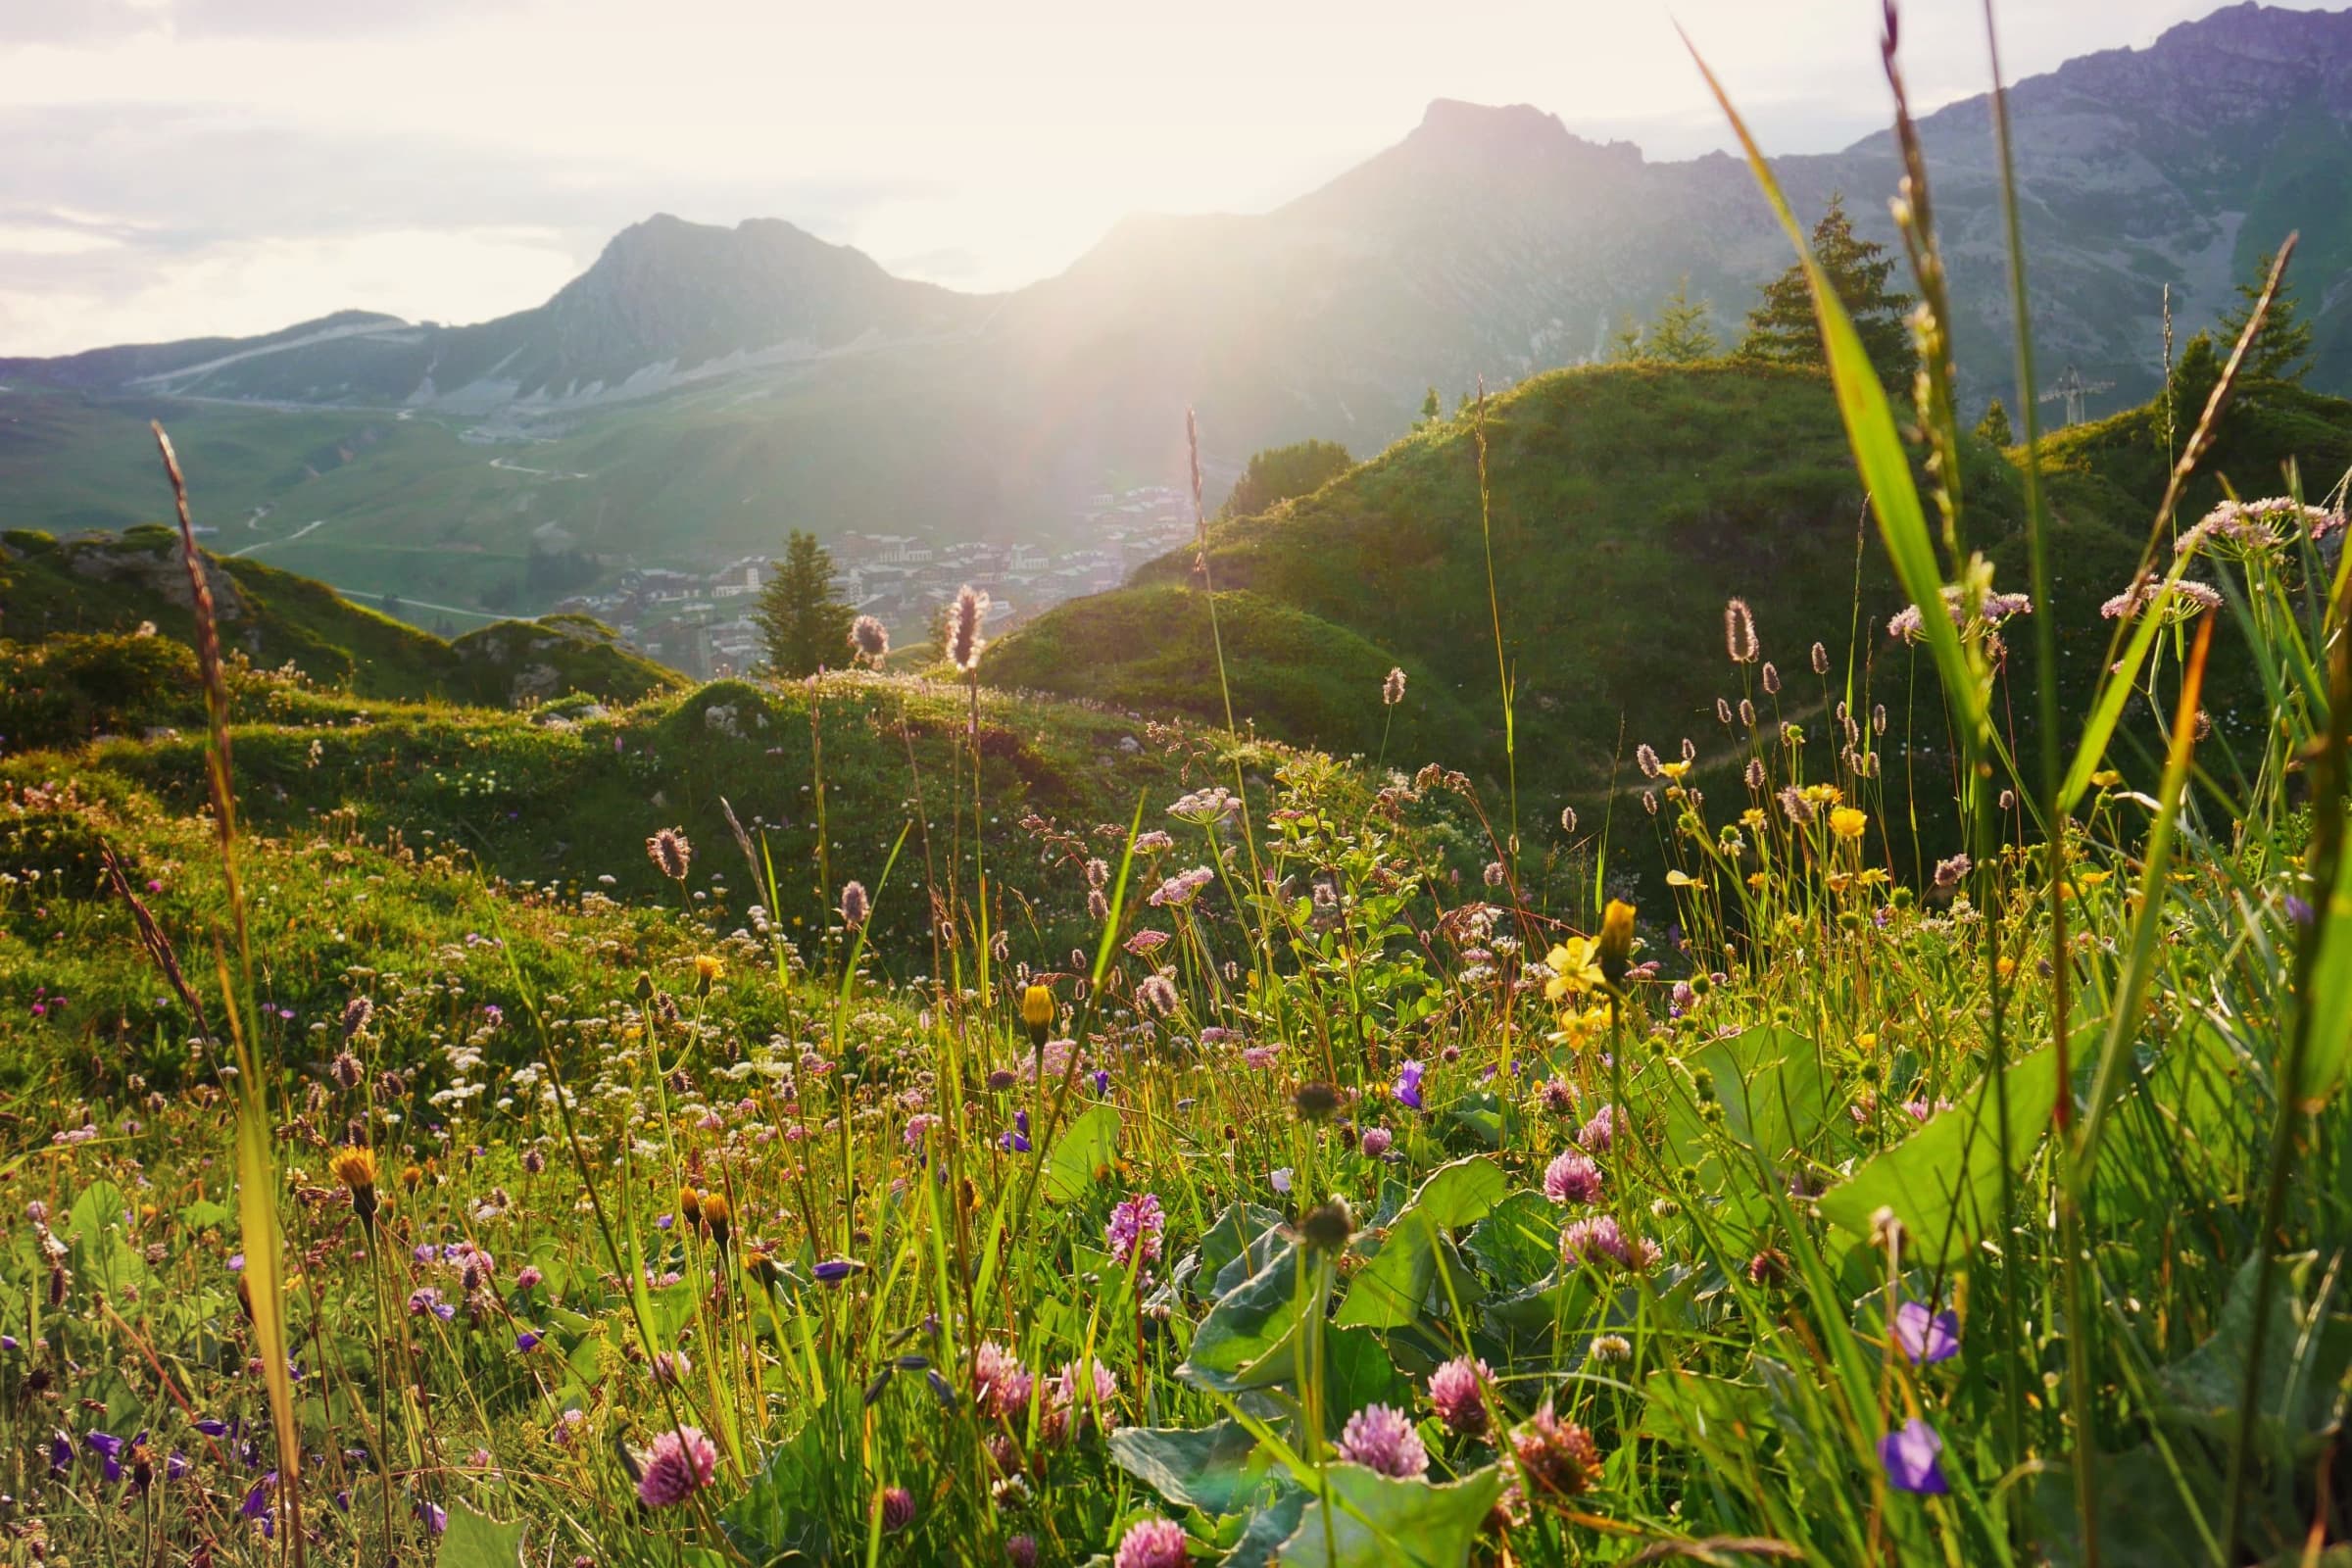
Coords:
pixel 355 1168
pixel 1037 1012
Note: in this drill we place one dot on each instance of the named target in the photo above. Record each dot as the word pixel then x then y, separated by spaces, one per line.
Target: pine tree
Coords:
pixel 1682 332
pixel 1432 411
pixel 1994 426
pixel 1782 327
pixel 2281 350
pixel 805 627
pixel 2194 376
pixel 1626 342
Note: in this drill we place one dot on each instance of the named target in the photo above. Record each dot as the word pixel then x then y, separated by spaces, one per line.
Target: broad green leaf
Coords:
pixel 1218 1469
pixel 1390 1291
pixel 1356 1372
pixel 1374 1521
pixel 474 1542
pixel 204 1214
pixel 1249 1338
pixel 1082 1151
pixel 1269 1529
pixel 103 1255
pixel 782 1511
pixel 1769 1083
pixel 1944 1180
pixel 2301 1366
pixel 1235 1238
pixel 1699 1412
pixel 1518 1243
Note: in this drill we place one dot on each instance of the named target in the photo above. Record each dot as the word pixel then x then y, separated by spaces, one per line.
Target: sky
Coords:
pixel 194 167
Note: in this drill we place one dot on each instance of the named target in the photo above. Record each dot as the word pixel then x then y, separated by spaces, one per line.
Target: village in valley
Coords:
pixel 703 622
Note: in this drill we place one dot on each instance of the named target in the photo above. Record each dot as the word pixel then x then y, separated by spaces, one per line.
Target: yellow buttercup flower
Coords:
pixel 1848 823
pixel 1674 770
pixel 1575 969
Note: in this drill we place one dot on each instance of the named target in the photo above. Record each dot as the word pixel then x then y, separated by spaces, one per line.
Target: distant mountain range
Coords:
pixel 715 387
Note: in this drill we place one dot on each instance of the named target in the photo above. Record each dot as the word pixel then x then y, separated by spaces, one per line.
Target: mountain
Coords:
pixel 698 390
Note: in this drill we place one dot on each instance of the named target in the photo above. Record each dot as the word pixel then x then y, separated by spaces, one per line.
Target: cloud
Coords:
pixel 97 22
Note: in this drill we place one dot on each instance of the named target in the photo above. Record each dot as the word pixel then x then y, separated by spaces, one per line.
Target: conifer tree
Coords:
pixel 1782 327
pixel 1432 411
pixel 804 627
pixel 2281 350
pixel 1994 426
pixel 1626 342
pixel 1682 332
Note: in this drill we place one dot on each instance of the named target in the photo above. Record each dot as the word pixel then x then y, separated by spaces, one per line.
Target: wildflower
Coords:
pixel 1794 805
pixel 670 1367
pixel 870 640
pixel 717 1218
pixel 1391 690
pixel 709 970
pixel 1739 632
pixel 1595 1136
pixel 1020 1551
pixel 1280 1179
pixel 434 1517
pixel 1568 821
pixel 1382 1438
pixel 2179 600
pixel 1457 1389
pixel 1772 679
pixel 1180 889
pixel 999 1383
pixel 355 1168
pixel 680 1462
pixel 427 1300
pixel 1595 1240
pixel 1648 758
pixel 963 629
pixel 1407 1089
pixel 1328 1225
pixel 1085 1388
pixel 1144 942
pixel 1151 1543
pixel 1912 1454
pixel 1558 1458
pixel 526 1342
pixel 1156 995
pixel 1926 1338
pixel 1575 966
pixel 1821 659
pixel 356 1015
pixel 833 1270
pixel 898 1509
pixel 1377 1142
pixel 1134 1230
pixel 1848 823
pixel 1949 874
pixel 855 905
pixel 670 854
pixel 1572 1178
pixel 1612 1347
pixel 1037 1012
pixel 1614 950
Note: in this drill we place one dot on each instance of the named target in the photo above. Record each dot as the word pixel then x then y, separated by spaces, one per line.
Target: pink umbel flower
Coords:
pixel 1381 1438
pixel 1458 1390
pixel 680 1462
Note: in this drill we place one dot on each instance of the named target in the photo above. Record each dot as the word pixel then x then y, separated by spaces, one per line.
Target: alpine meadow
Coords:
pixel 1242 906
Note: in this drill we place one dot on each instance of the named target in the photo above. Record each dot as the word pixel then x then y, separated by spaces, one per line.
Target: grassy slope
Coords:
pixel 1629 502
pixel 110 583
pixel 566 804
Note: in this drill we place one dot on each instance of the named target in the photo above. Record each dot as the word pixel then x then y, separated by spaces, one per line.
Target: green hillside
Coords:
pixel 62 604
pixel 1627 503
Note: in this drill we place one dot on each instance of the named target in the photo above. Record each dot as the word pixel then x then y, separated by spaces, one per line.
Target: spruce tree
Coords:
pixel 805 627
pixel 1782 327
pixel 1994 426
pixel 1432 411
pixel 1682 332
pixel 2281 350
pixel 1626 342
